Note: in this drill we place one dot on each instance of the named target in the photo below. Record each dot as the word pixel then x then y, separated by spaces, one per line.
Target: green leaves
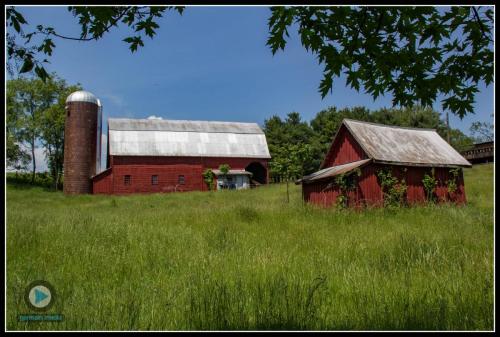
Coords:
pixel 94 21
pixel 27 65
pixel 411 53
pixel 15 19
pixel 148 26
pixel 280 19
pixel 41 73
pixel 135 42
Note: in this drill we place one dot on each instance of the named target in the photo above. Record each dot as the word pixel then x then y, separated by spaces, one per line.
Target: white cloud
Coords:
pixel 154 117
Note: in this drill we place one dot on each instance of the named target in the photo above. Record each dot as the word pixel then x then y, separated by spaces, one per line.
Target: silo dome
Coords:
pixel 82 96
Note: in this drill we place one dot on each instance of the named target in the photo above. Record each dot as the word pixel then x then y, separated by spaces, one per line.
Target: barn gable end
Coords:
pixel 344 149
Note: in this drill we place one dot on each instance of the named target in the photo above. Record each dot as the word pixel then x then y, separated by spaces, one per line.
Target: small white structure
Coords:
pixel 233 180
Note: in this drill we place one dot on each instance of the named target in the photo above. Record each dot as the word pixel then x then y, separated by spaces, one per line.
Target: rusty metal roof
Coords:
pixel 333 171
pixel 404 146
pixel 153 137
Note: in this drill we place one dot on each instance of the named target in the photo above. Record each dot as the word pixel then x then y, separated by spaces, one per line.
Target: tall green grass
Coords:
pixel 248 260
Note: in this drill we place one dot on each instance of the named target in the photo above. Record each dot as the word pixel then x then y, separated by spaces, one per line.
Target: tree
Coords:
pixel 208 178
pixel 280 134
pixel 289 162
pixel 94 22
pixel 224 170
pixel 17 156
pixel 482 132
pixel 30 97
pixel 36 114
pixel 412 53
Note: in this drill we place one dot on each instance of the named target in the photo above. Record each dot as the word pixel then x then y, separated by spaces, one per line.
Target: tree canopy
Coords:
pixel 35 116
pixel 413 53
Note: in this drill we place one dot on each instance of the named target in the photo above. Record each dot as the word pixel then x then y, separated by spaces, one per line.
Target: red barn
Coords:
pixel 154 155
pixel 367 148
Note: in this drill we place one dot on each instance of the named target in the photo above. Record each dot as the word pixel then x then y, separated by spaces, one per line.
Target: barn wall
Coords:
pixel 344 150
pixel 369 192
pixel 103 183
pixel 168 169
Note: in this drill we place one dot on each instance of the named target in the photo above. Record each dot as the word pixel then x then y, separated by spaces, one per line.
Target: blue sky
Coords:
pixel 211 63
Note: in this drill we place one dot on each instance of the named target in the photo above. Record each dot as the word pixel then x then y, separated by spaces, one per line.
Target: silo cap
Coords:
pixel 82 96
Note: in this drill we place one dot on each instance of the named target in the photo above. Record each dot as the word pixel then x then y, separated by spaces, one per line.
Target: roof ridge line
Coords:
pixel 388 126
pixel 180 120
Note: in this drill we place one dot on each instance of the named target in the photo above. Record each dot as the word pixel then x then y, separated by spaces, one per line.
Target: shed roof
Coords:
pixel 333 171
pixel 404 146
pixel 232 172
pixel 153 137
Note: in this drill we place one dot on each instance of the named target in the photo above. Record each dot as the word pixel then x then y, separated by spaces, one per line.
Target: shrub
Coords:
pixel 430 183
pixel 208 178
pixel 346 182
pixel 452 182
pixel 394 190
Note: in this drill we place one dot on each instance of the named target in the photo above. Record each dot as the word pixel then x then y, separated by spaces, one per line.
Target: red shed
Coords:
pixel 407 153
pixel 156 155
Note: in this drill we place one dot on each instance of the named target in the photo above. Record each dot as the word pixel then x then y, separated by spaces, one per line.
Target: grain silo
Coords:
pixel 82 148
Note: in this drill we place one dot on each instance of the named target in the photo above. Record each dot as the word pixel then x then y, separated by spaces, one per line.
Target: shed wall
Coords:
pixel 369 192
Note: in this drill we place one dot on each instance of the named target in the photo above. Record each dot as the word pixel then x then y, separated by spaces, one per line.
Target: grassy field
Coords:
pixel 248 260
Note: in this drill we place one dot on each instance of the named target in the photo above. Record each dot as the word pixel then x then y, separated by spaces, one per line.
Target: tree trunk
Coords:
pixel 287 193
pixel 448 125
pixel 34 163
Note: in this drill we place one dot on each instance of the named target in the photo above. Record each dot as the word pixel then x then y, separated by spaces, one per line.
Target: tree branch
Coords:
pixel 90 38
pixel 480 23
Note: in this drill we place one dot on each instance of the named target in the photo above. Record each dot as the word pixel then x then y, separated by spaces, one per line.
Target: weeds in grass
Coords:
pixel 247 260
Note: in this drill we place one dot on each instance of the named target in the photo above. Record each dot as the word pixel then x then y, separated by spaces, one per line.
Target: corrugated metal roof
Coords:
pixel 404 146
pixel 333 171
pixel 127 124
pixel 144 137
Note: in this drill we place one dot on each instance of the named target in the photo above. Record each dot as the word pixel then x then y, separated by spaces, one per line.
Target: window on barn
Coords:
pixel 154 180
pixel 126 180
pixel 181 180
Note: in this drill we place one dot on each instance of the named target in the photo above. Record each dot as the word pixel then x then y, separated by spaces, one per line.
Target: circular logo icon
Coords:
pixel 39 295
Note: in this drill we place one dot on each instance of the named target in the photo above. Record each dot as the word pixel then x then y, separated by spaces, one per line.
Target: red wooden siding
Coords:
pixel 344 150
pixel 168 169
pixel 103 183
pixel 369 192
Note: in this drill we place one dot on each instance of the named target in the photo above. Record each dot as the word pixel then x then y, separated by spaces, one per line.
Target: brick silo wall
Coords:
pixel 80 134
